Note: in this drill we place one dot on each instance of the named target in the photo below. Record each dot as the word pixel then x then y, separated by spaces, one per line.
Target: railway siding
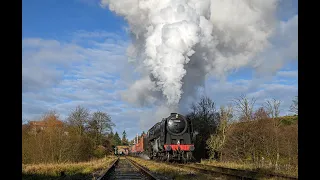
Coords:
pixel 248 174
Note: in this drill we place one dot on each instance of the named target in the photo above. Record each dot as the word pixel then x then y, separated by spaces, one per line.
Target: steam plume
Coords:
pixel 177 43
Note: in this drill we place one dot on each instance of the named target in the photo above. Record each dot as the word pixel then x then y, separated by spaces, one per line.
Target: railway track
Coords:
pixel 230 172
pixel 123 168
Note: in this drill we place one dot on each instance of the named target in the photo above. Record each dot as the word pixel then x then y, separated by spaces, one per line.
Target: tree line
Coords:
pixel 239 132
pixel 244 133
pixel 81 137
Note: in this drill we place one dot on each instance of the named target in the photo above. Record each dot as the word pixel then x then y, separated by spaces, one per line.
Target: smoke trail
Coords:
pixel 144 156
pixel 177 43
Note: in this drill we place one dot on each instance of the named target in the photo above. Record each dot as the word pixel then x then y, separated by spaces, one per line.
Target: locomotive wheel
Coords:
pixel 183 158
pixel 150 156
pixel 189 156
pixel 169 156
pixel 163 157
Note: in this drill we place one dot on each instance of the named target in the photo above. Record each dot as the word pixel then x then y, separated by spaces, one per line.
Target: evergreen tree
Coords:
pixel 110 137
pixel 124 140
pixel 116 139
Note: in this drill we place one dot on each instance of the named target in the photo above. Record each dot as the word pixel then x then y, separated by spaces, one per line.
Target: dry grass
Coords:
pixel 227 164
pixel 173 171
pixel 36 171
pixel 293 171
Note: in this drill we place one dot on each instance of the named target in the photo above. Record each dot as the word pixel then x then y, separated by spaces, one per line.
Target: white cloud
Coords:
pixel 44 61
pixel 95 34
pixel 36 78
pixel 223 92
pixel 60 75
pixel 284 48
pixel 288 74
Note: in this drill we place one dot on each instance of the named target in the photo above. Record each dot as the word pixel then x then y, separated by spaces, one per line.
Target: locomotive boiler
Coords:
pixel 171 139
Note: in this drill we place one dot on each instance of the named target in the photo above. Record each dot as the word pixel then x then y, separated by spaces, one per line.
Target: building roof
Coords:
pixel 123 147
pixel 46 123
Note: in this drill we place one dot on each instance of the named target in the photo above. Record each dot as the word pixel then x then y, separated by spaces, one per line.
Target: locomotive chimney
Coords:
pixel 173 114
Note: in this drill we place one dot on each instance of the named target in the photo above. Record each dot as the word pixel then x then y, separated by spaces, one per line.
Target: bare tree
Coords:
pixel 100 124
pixel 260 114
pixel 217 140
pixel 205 119
pixel 56 141
pixel 273 107
pixel 244 107
pixel 24 120
pixel 79 118
pixel 104 121
pixel 274 111
pixel 294 105
pixel 49 114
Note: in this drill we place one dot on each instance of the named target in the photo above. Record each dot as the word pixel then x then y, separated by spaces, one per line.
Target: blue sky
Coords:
pixel 74 53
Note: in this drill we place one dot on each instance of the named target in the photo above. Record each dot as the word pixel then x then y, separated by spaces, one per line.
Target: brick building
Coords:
pixel 37 126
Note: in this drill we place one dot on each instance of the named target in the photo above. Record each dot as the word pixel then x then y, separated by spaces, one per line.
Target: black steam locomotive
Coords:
pixel 171 139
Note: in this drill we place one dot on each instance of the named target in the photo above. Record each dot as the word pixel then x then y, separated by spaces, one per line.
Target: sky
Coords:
pixel 74 53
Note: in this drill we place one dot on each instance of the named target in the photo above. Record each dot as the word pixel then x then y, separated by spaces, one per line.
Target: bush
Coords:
pixel 99 152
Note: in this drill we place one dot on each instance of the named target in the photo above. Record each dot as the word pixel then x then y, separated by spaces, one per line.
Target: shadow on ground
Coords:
pixel 62 177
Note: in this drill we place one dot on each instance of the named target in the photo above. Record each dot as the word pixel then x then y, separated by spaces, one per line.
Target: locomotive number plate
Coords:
pixel 176 120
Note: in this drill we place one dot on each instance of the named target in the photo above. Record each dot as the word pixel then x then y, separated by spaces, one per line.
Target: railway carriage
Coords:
pixel 138 146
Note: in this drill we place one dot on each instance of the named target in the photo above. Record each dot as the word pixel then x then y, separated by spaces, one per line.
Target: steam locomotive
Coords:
pixel 170 139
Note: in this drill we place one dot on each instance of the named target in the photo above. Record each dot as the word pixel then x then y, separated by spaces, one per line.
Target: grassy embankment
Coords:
pixel 64 171
pixel 286 168
pixel 172 171
pixel 176 172
pixel 293 171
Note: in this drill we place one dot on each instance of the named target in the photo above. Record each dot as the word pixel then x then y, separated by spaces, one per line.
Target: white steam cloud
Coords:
pixel 176 44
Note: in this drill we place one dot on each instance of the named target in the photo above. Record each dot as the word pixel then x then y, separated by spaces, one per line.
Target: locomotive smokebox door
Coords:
pixel 177 125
